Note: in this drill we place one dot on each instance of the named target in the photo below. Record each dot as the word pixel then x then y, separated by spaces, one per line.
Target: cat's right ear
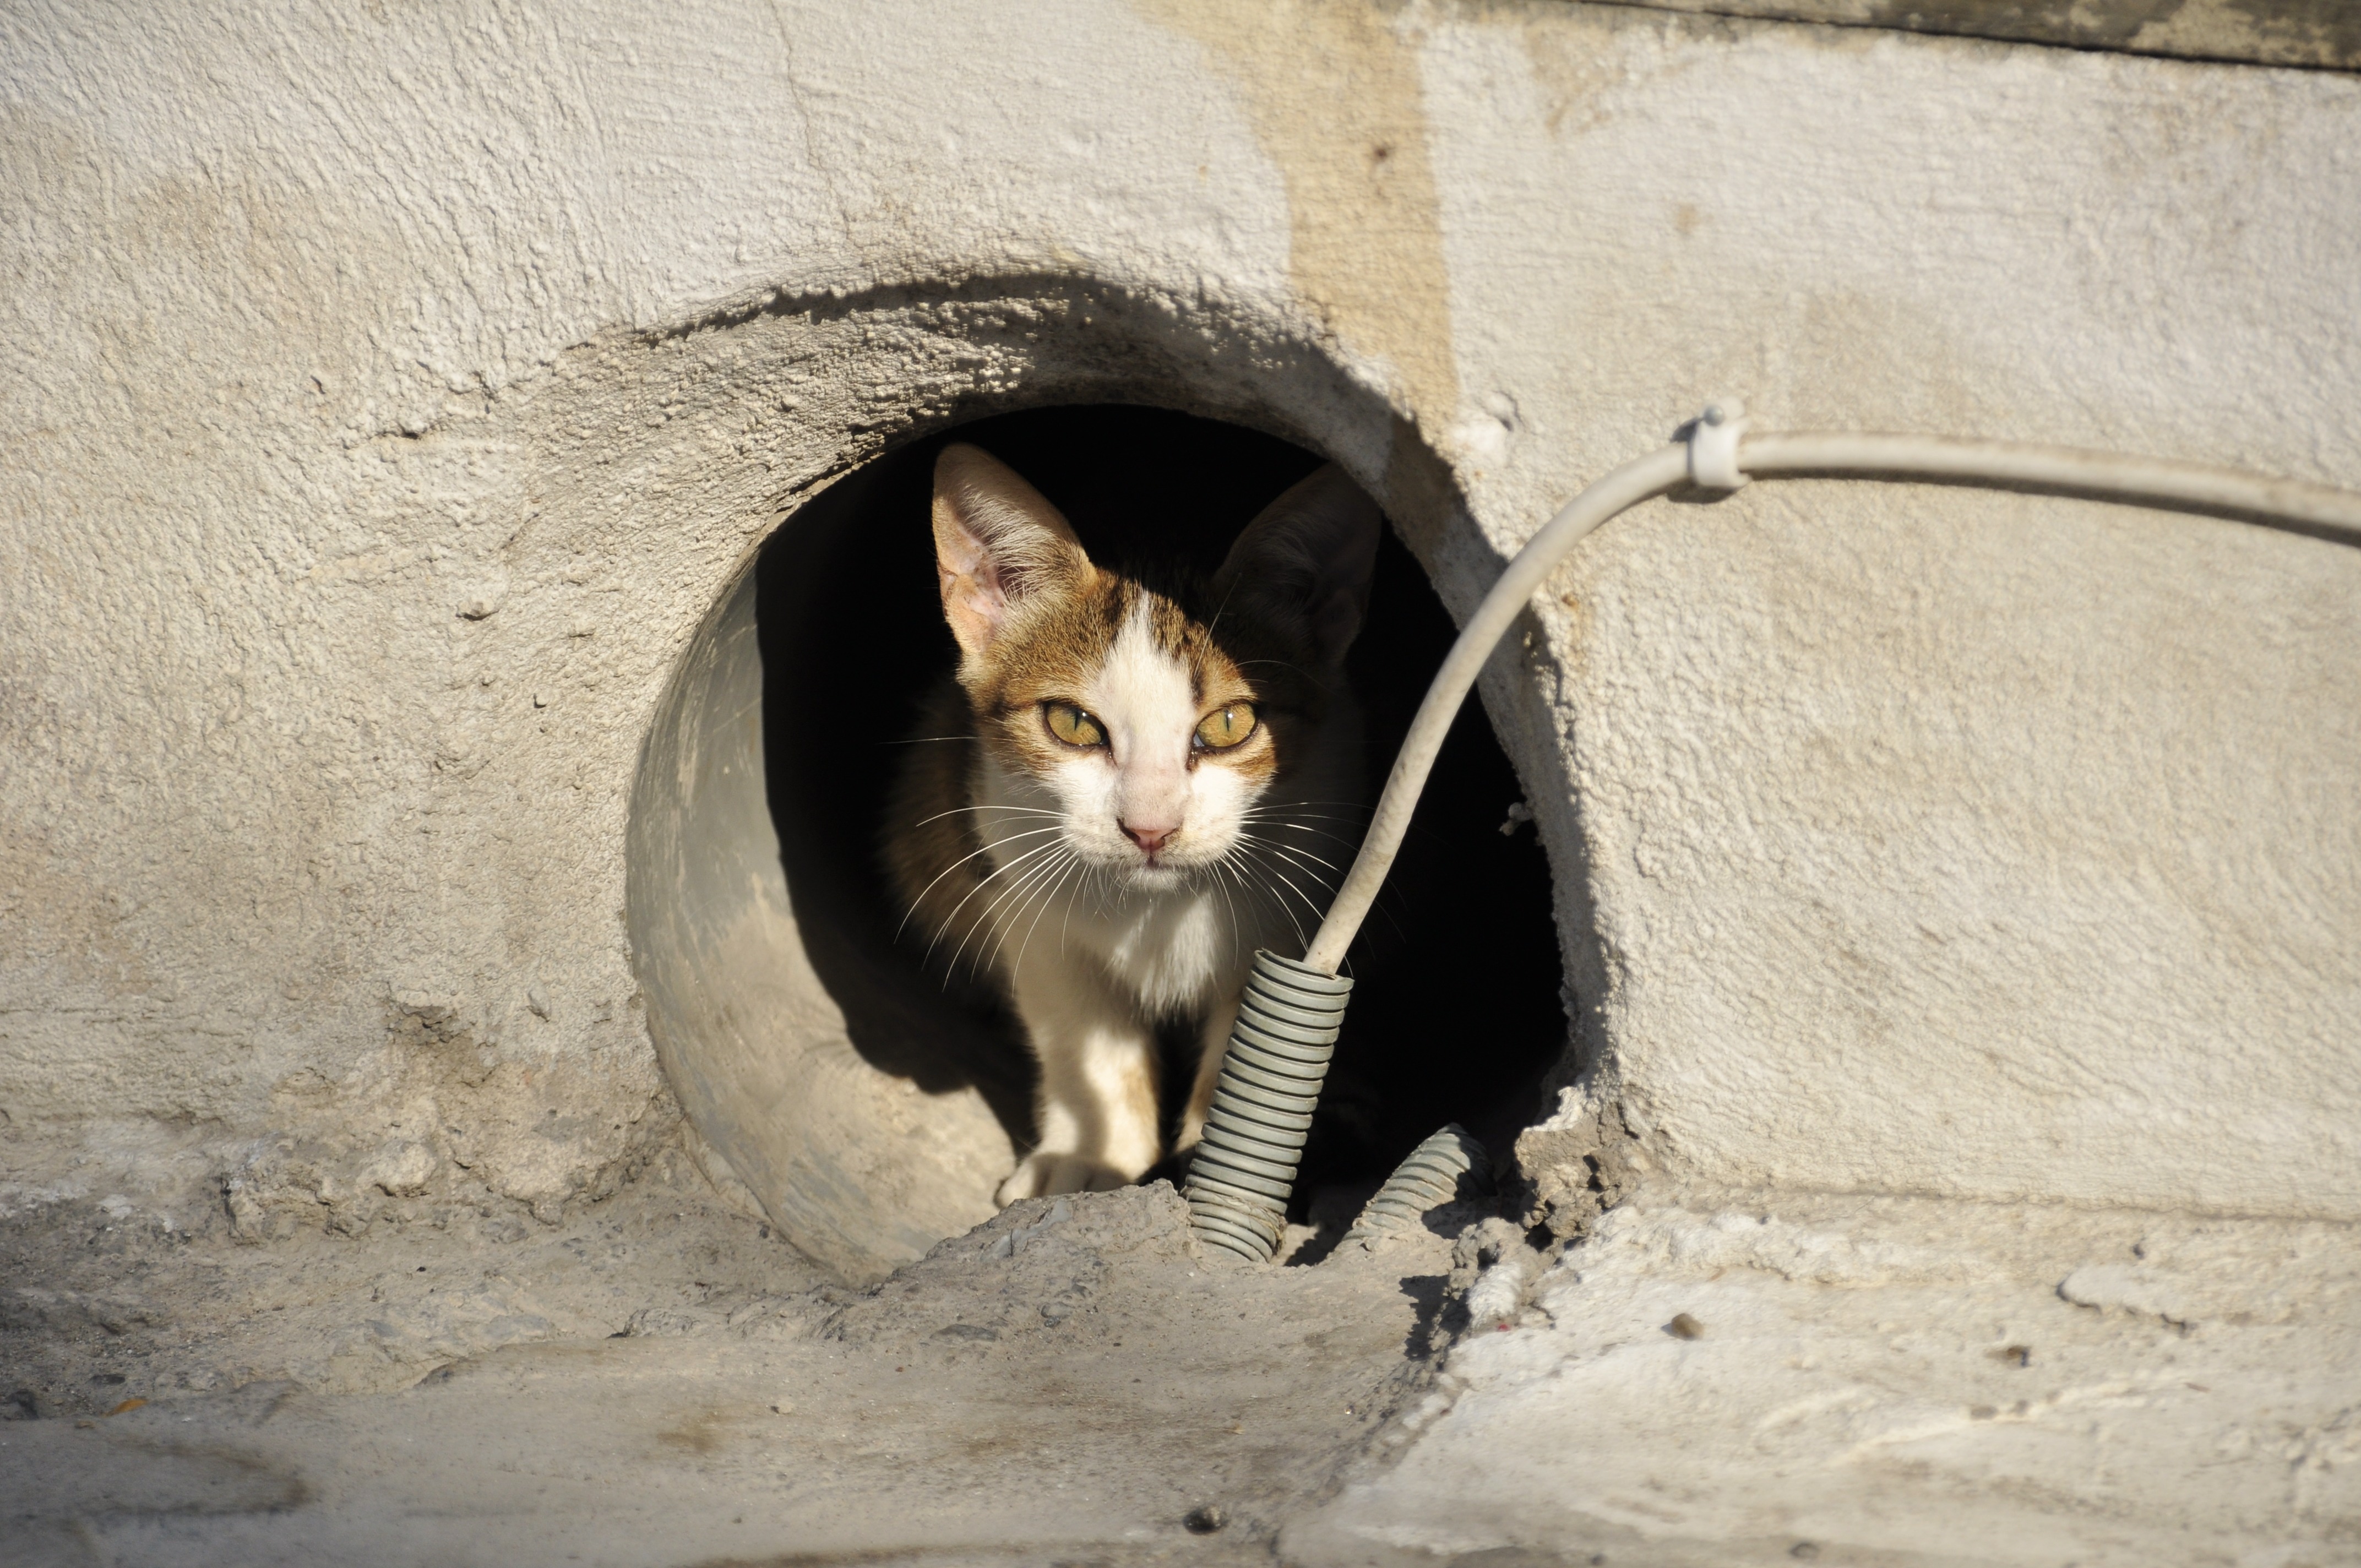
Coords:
pixel 1307 560
pixel 997 543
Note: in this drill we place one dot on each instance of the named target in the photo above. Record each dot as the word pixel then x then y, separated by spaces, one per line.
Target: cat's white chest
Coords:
pixel 1177 952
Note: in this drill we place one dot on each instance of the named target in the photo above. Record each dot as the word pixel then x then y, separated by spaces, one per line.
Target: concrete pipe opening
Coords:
pixel 872 1098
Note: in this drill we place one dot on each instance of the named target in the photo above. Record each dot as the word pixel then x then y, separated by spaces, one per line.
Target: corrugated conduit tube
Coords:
pixel 1244 1172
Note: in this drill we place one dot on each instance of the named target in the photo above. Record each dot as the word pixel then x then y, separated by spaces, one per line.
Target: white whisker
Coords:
pixel 1237 932
pixel 1310 874
pixel 949 920
pixel 921 899
pixel 1271 844
pixel 1012 810
pixel 1313 908
pixel 1044 902
pixel 1277 902
pixel 1016 892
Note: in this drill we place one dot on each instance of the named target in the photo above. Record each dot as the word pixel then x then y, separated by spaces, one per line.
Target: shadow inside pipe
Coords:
pixel 853 640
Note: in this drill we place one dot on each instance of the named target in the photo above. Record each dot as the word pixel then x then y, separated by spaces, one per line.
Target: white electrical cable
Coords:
pixel 1625 488
pixel 1720 454
pixel 2318 509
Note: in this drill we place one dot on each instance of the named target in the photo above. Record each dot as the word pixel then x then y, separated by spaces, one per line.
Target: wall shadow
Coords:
pixel 853 640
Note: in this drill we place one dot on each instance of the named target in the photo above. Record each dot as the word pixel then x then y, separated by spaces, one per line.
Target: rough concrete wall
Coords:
pixel 389 394
pixel 1961 842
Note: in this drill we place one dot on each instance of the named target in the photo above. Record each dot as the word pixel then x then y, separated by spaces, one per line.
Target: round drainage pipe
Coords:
pixel 1243 1173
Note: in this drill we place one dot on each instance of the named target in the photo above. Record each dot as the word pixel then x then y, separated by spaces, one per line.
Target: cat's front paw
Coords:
pixel 1045 1174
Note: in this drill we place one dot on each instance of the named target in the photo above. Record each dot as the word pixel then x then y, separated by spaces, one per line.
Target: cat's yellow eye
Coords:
pixel 1225 727
pixel 1072 725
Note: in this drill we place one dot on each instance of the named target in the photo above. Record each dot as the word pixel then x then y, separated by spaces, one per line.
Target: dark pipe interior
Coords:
pixel 852 637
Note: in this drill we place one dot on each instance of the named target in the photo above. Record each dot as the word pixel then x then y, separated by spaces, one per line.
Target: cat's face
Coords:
pixel 1148 727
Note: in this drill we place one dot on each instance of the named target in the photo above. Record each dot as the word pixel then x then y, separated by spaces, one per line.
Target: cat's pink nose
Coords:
pixel 1149 839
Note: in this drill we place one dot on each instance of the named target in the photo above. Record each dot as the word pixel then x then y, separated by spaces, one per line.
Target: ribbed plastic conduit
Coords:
pixel 1448 1167
pixel 1244 1169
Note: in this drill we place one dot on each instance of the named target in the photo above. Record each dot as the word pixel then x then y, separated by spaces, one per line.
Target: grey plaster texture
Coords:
pixel 390 397
pixel 388 403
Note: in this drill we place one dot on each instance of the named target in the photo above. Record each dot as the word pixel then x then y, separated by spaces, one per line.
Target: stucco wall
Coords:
pixel 389 393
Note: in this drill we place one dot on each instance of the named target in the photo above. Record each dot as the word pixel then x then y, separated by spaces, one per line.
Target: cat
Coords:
pixel 1132 782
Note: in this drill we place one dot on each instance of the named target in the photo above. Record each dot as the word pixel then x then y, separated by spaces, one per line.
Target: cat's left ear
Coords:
pixel 1308 558
pixel 998 542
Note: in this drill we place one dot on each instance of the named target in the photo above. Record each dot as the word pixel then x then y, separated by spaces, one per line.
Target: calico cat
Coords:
pixel 1130 785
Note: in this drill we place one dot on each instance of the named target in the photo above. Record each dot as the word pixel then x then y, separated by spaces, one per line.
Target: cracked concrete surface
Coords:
pixel 1706 1378
pixel 1069 1378
pixel 1745 1377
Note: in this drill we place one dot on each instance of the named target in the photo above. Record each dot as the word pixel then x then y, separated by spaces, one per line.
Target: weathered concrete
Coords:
pixel 1728 1378
pixel 389 398
pixel 389 405
pixel 2262 32
pixel 862 1169
pixel 1069 1380
pixel 1707 1379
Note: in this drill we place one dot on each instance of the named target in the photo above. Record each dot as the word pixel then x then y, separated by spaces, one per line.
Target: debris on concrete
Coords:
pixel 1704 1378
pixel 1737 1378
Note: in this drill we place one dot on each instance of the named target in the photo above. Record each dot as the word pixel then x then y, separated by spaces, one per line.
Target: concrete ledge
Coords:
pixel 2320 33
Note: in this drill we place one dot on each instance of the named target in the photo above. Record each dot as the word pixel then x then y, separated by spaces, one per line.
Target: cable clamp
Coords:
pixel 1713 446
